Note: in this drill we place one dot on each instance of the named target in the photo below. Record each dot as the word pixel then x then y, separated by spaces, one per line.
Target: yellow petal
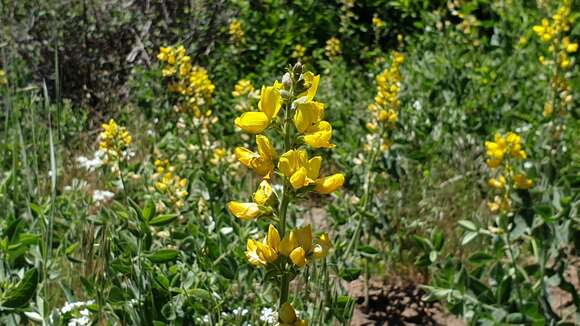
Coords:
pixel 244 211
pixel 264 193
pixel 314 167
pixel 319 136
pixel 309 78
pixel 329 184
pixel 252 255
pixel 273 237
pixel 287 313
pixel 265 149
pixel 245 156
pixel 298 179
pixel 322 246
pixel 298 257
pixel 304 237
pixel 307 115
pixel 287 244
pixel 270 101
pixel 253 122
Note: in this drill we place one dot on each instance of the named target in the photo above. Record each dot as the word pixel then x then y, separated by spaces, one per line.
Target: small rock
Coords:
pixel 410 314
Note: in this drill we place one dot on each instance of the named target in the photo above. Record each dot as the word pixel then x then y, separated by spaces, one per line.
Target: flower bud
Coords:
pixel 297 69
pixel 287 81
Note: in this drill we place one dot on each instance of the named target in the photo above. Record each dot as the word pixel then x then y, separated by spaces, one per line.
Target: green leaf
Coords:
pixel 201 294
pixel 149 210
pixel 19 295
pixel 468 225
pixel 369 250
pixel 162 219
pixel 438 240
pixel 350 274
pixel 469 236
pixel 480 257
pixel 163 256
pixel 228 268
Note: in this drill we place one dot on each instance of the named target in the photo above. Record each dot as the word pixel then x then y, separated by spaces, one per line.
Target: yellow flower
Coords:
pixel 261 162
pixel 261 253
pixel 499 205
pixel 244 211
pixel 545 31
pixel 287 316
pixel 303 237
pixel 333 48
pixel 319 135
pixel 307 115
pixel 377 22
pixel 295 165
pixel 253 122
pixel 269 106
pixel 569 46
pixel 308 121
pixel 329 184
pixel 270 101
pixel 264 193
pixel 114 140
pixel 298 52
pixel 298 257
pixel 322 246
pixel 287 244
pixel 243 87
pixel 311 82
pixel 236 31
pixel 498 183
pixel 287 313
pixel 522 182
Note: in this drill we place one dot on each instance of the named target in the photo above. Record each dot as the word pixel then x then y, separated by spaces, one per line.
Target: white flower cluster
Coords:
pixel 102 196
pixel 84 317
pixel 91 164
pixel 269 316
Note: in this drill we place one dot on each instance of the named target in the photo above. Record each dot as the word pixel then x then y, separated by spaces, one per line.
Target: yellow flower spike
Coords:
pixel 287 314
pixel 253 122
pixel 287 244
pixel 270 101
pixel 298 257
pixel 273 237
pixel 307 115
pixel 522 182
pixel 319 136
pixel 304 238
pixel 264 193
pixel 243 87
pixel 244 211
pixel 322 246
pixel 329 184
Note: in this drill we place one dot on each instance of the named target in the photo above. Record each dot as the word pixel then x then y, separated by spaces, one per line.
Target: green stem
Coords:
pixel 514 266
pixel 365 201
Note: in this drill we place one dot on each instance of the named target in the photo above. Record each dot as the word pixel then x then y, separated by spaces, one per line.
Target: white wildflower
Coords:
pixel 102 196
